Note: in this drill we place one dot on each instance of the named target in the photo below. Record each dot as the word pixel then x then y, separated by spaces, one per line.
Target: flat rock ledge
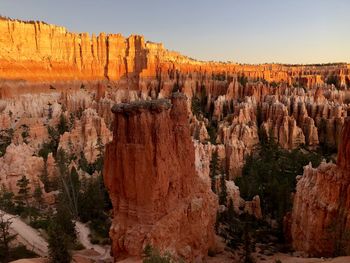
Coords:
pixel 158 105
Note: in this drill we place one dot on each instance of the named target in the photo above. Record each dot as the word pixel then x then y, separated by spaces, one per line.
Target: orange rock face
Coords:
pixel 321 210
pixel 157 197
pixel 37 51
pixel 343 160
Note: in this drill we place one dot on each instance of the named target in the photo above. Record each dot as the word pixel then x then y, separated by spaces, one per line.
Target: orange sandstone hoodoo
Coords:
pixel 158 199
pixel 320 223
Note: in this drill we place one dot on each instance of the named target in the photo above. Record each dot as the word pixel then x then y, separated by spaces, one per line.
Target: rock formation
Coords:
pixel 157 197
pixel 320 222
pixel 159 183
pixel 89 132
pixel 19 161
pixel 40 52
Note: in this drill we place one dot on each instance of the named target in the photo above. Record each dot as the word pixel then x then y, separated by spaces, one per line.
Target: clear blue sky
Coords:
pixel 245 31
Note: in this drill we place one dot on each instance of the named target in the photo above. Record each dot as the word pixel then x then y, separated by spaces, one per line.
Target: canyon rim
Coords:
pixel 117 149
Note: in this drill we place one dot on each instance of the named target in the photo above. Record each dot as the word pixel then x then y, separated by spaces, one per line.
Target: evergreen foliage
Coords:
pixel 38 196
pixel 154 256
pixel 271 173
pixel 243 80
pixel 58 245
pixel 223 190
pixel 199 103
pixel 94 203
pixel 214 170
pixel 5 238
pixel 6 136
pixel 62 234
pixel 25 133
pixel 196 106
pixel 63 125
pixel 333 79
pixel 7 201
pixel 240 231
pixel 44 178
pixel 212 131
pixel 22 198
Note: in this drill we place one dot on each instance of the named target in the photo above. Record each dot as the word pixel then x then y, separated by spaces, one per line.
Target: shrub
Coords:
pixel 153 256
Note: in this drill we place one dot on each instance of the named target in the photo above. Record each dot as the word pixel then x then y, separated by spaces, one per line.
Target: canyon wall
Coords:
pixel 158 199
pixel 36 51
pixel 321 210
pixel 293 115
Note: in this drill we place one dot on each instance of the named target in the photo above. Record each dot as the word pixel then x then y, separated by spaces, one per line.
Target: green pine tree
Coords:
pixel 5 238
pixel 38 196
pixel 44 177
pixel 22 198
pixel 214 169
pixel 98 164
pixel 6 201
pixel 62 236
pixel 62 125
pixel 223 189
pixel 74 186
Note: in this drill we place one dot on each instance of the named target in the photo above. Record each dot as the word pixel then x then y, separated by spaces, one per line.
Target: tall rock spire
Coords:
pixel 157 197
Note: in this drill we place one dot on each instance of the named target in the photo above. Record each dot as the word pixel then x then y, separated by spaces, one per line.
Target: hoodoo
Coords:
pixel 184 146
pixel 321 210
pixel 158 199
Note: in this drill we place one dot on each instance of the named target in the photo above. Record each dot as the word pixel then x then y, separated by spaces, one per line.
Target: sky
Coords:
pixel 243 31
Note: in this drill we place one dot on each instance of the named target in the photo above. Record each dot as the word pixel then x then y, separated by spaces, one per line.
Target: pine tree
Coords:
pixel 69 182
pixel 214 170
pixel 38 195
pixel 71 150
pixel 5 238
pixel 64 219
pixel 62 125
pixel 196 106
pixel 6 136
pixel 74 186
pixel 58 246
pixel 100 157
pixel 92 200
pixel 248 245
pixel 223 189
pixel 44 177
pixel 6 200
pixel 71 121
pixel 84 164
pixel 52 146
pixel 22 198
pixel 230 210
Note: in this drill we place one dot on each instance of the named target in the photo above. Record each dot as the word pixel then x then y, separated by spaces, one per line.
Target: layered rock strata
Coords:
pixel 320 223
pixel 37 51
pixel 157 197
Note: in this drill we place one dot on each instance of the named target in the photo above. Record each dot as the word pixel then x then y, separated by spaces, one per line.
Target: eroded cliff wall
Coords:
pixel 37 51
pixel 321 209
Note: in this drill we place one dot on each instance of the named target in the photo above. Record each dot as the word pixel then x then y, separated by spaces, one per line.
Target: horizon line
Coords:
pixel 91 34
